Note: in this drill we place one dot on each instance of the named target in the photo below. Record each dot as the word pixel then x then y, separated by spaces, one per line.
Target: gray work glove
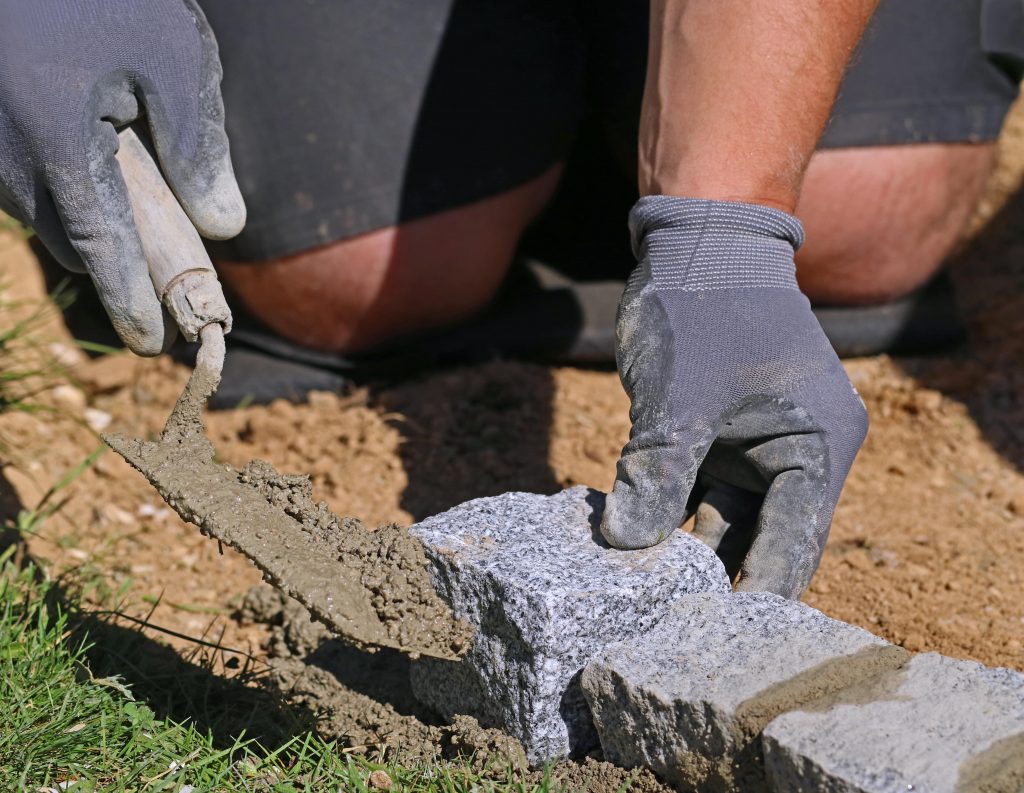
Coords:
pixel 741 410
pixel 72 70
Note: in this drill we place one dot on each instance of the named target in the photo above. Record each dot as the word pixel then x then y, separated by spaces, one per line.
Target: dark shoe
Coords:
pixel 925 321
pixel 540 315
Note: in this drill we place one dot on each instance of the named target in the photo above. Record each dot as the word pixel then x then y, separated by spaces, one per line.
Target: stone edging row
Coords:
pixel 651 654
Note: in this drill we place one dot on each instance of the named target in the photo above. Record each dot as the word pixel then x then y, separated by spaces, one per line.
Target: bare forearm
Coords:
pixel 737 94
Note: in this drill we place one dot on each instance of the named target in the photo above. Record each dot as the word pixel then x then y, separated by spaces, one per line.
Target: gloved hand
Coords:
pixel 741 410
pixel 70 70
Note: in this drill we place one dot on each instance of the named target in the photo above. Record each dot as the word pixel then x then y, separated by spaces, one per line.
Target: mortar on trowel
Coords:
pixel 371 588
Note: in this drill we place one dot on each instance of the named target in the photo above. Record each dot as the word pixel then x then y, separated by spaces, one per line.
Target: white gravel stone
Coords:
pixel 68 397
pixel 545 593
pixel 939 725
pixel 689 698
pixel 66 355
pixel 97 419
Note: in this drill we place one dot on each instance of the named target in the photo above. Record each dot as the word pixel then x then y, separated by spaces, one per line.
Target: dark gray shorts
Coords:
pixel 347 116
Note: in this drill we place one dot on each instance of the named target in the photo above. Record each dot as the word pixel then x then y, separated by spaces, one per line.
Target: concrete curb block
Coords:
pixel 545 594
pixel 937 725
pixel 750 692
pixel 690 698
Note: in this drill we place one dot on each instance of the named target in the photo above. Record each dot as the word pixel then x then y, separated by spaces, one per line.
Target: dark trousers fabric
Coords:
pixel 347 116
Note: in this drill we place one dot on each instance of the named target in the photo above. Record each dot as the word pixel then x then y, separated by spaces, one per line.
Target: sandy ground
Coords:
pixel 927 547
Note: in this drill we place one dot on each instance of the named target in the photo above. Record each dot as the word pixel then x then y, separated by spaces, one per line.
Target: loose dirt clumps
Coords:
pixel 360 699
pixel 365 702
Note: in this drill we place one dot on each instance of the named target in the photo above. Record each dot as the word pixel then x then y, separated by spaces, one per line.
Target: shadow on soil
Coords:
pixel 382 676
pixel 987 374
pixel 188 689
pixel 473 432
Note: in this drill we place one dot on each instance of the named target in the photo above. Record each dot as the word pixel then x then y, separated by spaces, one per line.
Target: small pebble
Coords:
pixel 380 780
pixel 97 419
pixel 119 515
pixel 66 355
pixel 68 397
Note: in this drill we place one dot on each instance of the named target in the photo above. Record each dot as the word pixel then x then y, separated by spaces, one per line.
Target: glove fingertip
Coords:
pixel 202 178
pixel 146 330
pixel 774 585
pixel 219 211
pixel 628 523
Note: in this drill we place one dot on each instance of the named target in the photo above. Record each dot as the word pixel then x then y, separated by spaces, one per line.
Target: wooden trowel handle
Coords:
pixel 179 266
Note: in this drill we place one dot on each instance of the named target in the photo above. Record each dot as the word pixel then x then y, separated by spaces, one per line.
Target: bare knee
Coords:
pixel 354 294
pixel 881 220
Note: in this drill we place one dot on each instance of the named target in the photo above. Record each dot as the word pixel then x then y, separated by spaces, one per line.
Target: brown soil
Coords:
pixel 927 548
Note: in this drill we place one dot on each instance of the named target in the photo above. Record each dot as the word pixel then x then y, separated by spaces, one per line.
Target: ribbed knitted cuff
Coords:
pixel 695 244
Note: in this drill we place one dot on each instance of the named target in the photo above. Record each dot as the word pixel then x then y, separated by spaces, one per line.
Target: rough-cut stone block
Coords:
pixel 937 725
pixel 545 593
pixel 690 698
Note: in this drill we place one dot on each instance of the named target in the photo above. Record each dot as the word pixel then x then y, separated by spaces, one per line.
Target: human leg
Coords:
pixel 354 294
pixel 881 221
pixel 909 148
pixel 390 154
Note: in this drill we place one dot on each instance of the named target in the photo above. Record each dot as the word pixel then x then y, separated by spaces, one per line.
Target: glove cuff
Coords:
pixel 695 244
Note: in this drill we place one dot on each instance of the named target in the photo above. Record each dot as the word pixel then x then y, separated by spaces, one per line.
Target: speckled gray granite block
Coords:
pixel 545 594
pixel 938 725
pixel 689 698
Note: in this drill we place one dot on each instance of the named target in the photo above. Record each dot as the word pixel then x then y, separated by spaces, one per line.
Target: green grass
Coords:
pixel 12 226
pixel 62 722
pixel 26 369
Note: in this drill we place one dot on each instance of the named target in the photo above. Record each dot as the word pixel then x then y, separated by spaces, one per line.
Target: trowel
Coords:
pixel 181 465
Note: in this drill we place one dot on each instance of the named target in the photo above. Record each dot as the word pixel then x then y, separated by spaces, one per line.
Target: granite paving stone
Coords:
pixel 689 698
pixel 938 725
pixel 545 593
